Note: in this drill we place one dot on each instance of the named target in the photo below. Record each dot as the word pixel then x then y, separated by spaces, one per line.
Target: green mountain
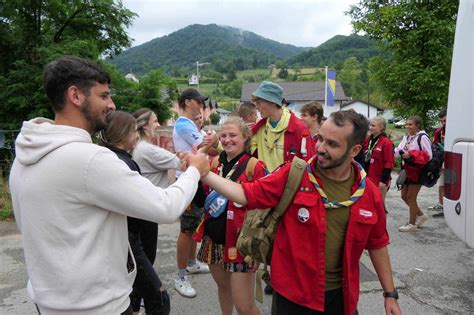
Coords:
pixel 223 46
pixel 335 50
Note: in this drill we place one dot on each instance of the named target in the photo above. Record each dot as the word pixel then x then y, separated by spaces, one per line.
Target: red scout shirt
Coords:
pixel 292 139
pixel 298 261
pixel 382 157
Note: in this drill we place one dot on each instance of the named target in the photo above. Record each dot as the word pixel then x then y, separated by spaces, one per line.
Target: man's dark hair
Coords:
pixel 313 108
pixel 359 123
pixel 59 75
pixel 442 113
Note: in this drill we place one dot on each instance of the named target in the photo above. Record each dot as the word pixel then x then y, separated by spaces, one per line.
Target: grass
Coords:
pixel 6 209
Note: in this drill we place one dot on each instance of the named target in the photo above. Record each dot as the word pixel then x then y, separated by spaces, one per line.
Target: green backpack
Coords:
pixel 255 240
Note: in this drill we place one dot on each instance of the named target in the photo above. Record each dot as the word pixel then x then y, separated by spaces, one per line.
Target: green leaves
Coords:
pixel 418 35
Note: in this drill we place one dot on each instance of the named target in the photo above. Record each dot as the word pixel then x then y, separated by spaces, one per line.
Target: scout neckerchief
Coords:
pixel 270 147
pixel 410 139
pixel 372 143
pixel 336 204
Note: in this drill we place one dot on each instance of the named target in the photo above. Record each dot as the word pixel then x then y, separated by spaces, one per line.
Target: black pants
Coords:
pixel 333 305
pixel 147 283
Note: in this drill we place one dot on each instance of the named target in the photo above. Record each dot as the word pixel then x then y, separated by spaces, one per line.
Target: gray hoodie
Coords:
pixel 70 199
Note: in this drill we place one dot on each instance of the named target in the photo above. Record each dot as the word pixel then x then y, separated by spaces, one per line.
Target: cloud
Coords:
pixel 299 22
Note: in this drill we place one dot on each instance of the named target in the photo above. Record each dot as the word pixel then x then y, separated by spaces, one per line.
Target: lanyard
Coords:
pixel 336 204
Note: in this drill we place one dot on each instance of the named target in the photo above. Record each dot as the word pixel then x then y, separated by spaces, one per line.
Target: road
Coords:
pixel 434 271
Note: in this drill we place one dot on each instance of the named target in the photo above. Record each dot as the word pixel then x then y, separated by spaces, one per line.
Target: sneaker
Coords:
pixel 198 267
pixel 408 228
pixel 420 220
pixel 438 207
pixel 183 286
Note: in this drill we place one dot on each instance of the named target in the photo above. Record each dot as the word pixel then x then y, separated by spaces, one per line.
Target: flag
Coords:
pixel 330 87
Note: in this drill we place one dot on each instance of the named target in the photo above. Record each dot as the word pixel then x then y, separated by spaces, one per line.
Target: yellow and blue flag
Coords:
pixel 330 87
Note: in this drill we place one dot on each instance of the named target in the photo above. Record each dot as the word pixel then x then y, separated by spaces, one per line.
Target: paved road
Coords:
pixel 434 271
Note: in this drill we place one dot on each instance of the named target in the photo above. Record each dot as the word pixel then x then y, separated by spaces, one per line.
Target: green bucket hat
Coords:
pixel 269 91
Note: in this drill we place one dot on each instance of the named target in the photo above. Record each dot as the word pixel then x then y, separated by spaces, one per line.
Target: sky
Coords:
pixel 304 23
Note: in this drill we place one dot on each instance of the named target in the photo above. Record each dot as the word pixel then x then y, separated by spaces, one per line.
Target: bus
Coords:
pixel 458 202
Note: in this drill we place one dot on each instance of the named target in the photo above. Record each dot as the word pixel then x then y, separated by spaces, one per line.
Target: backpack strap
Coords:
pixel 294 179
pixel 250 169
pixel 418 140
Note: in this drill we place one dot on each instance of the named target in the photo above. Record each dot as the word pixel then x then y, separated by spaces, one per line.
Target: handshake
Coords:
pixel 194 158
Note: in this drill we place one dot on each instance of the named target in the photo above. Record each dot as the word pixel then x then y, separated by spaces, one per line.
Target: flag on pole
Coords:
pixel 330 87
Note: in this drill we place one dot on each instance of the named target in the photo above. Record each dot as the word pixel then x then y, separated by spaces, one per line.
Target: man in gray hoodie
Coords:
pixel 71 198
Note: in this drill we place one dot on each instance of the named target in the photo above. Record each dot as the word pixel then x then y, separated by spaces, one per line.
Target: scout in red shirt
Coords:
pixel 378 155
pixel 334 216
pixel 311 115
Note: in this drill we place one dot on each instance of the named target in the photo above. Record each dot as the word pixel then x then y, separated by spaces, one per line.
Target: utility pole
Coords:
pixel 197 70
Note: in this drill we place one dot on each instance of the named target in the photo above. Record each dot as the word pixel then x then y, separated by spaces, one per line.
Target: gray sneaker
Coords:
pixel 438 207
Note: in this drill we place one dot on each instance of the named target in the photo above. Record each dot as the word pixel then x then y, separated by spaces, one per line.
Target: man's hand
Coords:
pixel 254 265
pixel 199 161
pixel 210 139
pixel 392 307
pixel 183 165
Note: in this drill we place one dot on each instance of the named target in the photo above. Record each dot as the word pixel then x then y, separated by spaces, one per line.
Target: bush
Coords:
pixel 215 118
pixel 6 208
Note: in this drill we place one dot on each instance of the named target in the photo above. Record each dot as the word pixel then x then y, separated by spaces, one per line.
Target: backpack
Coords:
pixel 255 240
pixel 431 172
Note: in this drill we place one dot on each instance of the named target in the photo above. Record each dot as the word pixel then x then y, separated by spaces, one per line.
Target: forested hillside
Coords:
pixel 336 50
pixel 222 46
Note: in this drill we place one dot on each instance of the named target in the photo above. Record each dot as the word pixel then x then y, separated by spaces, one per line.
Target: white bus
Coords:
pixel 459 139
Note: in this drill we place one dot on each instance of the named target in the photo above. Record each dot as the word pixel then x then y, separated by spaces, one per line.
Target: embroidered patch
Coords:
pixel 303 215
pixel 230 215
pixel 365 213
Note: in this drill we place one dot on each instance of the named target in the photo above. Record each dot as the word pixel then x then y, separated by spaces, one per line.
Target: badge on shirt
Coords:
pixel 365 213
pixel 232 253
pixel 230 215
pixel 303 215
pixel 237 205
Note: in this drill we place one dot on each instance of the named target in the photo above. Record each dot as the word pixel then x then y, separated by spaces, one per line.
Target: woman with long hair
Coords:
pixel 235 279
pixel 378 155
pixel 120 136
pixel 154 163
pixel 415 151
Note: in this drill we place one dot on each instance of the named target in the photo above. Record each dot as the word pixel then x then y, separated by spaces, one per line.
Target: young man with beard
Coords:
pixel 335 214
pixel 71 198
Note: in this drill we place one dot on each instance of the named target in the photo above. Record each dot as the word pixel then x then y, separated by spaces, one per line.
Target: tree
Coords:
pixel 157 92
pixel 283 73
pixel 418 36
pixel 215 118
pixel 32 33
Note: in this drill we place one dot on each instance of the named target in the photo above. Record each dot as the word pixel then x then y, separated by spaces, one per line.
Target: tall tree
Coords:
pixel 418 36
pixel 34 32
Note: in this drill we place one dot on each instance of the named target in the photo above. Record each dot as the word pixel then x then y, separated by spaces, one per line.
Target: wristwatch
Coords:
pixel 393 295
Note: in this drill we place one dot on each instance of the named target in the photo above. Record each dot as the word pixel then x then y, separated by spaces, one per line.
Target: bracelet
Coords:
pixel 393 295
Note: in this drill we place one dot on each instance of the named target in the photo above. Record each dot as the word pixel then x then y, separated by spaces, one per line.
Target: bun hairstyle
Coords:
pixel 142 117
pixel 119 125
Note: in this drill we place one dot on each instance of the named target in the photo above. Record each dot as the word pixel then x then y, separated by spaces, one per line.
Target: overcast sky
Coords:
pixel 297 22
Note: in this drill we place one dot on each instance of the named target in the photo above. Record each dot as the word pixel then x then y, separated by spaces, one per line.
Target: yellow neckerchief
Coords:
pixel 270 141
pixel 337 204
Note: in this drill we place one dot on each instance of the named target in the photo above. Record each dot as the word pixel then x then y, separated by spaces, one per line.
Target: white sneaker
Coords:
pixel 421 219
pixel 183 286
pixel 198 267
pixel 408 228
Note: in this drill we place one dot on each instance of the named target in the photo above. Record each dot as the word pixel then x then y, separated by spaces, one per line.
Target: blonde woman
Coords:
pixel 234 278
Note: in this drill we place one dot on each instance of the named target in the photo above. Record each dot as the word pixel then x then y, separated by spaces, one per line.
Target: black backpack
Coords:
pixel 431 172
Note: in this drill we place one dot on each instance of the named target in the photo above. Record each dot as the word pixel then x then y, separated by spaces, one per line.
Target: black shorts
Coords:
pixel 191 218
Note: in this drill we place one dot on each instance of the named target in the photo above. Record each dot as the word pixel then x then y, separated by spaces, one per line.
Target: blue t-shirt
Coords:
pixel 185 135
